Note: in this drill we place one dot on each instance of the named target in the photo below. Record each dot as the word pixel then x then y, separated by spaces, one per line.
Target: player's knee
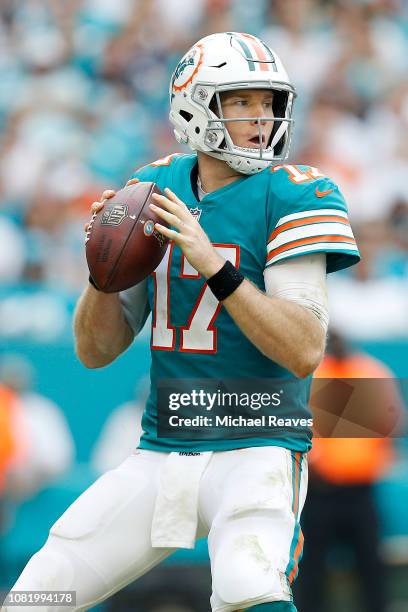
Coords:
pixel 49 569
pixel 243 571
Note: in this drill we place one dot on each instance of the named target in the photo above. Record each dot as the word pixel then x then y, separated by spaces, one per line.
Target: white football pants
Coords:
pixel 249 504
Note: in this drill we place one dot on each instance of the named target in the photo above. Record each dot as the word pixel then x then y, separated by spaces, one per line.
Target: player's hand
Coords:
pixel 188 233
pixel 107 194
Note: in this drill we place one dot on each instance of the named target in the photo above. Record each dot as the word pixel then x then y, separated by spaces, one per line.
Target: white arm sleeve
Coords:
pixel 135 306
pixel 302 280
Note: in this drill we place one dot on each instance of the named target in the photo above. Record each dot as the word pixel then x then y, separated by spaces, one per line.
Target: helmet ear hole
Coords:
pixel 197 130
pixel 213 106
pixel 187 116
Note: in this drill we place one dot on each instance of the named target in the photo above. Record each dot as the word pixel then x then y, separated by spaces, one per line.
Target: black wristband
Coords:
pixel 225 281
pixel 92 282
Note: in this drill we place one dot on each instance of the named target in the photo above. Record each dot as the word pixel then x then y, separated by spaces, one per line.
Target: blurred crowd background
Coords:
pixel 83 103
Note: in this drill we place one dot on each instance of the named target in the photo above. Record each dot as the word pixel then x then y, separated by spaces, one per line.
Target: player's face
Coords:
pixel 248 103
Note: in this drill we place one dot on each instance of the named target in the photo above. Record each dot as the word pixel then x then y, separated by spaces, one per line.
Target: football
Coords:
pixel 122 245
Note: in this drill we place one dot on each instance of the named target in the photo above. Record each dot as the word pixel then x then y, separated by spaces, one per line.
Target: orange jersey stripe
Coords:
pixel 164 161
pixel 307 221
pixel 304 241
pixel 298 550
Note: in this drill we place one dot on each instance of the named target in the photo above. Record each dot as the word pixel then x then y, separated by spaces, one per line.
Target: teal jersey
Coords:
pixel 281 212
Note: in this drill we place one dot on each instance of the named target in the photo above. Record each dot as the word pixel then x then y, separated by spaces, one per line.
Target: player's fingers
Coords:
pixel 169 233
pixel 108 193
pixel 172 196
pixel 166 203
pixel 180 211
pixel 183 211
pixel 132 181
pixel 167 216
pixel 97 206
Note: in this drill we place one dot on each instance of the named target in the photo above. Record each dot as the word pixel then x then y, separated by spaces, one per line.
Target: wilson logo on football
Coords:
pixel 114 215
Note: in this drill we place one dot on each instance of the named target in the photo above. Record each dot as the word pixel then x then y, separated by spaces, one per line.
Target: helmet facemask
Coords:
pixel 275 149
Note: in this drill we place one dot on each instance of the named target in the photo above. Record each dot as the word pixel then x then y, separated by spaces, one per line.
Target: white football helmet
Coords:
pixel 225 62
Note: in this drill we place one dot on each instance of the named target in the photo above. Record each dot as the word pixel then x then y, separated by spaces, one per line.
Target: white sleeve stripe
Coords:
pixel 307 221
pixel 309 231
pixel 312 213
pixel 318 246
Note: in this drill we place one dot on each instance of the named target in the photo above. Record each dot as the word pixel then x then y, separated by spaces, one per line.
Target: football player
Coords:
pixel 240 294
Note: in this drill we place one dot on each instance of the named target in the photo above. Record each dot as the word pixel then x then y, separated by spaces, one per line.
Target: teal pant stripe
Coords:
pixel 292 550
pixel 298 491
pixel 296 531
pixel 293 480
